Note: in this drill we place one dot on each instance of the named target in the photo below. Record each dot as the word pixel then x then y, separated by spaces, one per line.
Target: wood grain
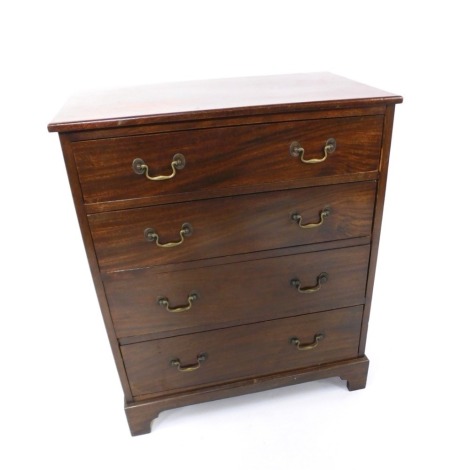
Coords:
pixel 377 222
pixel 170 125
pixel 238 190
pixel 93 265
pixel 219 98
pixel 241 352
pixel 227 157
pixel 140 413
pixel 235 293
pixel 230 226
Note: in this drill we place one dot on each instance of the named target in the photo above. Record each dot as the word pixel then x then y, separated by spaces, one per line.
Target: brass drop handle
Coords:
pixel 305 347
pixel 140 167
pixel 191 367
pixel 322 278
pixel 151 235
pixel 297 151
pixel 323 214
pixel 164 302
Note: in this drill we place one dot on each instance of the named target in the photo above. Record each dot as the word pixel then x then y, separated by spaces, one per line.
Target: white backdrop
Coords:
pixel 62 407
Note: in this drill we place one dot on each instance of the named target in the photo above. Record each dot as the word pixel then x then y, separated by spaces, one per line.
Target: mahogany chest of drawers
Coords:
pixel 232 229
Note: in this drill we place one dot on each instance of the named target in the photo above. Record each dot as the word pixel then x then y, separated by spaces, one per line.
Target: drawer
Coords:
pixel 226 157
pixel 235 293
pixel 233 225
pixel 242 352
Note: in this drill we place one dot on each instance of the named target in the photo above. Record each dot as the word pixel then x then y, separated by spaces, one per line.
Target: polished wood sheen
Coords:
pixel 242 351
pixel 235 293
pixel 225 157
pixel 233 225
pixel 250 300
pixel 208 99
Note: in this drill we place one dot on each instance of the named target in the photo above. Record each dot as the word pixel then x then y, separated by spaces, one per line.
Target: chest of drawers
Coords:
pixel 232 229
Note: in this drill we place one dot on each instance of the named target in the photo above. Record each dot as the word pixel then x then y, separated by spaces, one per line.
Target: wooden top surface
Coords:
pixel 214 99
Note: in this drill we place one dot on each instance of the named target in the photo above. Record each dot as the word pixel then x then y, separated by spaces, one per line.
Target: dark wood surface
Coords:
pixel 94 267
pixel 228 191
pixel 141 413
pixel 377 221
pixel 215 99
pixel 225 157
pixel 212 123
pixel 229 226
pixel 235 293
pixel 238 190
pixel 242 352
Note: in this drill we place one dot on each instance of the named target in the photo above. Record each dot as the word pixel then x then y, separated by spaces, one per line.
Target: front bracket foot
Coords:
pixel 356 377
pixel 140 418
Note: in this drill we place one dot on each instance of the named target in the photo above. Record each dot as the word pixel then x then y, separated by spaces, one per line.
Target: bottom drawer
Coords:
pixel 240 352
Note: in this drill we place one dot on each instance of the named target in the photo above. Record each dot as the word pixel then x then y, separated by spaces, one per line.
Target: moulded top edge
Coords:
pixel 214 99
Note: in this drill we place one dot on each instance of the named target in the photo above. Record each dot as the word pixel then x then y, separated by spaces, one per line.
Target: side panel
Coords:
pixel 377 224
pixel 91 257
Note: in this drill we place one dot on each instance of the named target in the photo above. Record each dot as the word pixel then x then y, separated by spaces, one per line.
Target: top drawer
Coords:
pixel 220 158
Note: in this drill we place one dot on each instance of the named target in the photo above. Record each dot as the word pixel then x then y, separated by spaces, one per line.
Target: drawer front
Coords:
pixel 242 352
pixel 244 156
pixel 236 293
pixel 233 225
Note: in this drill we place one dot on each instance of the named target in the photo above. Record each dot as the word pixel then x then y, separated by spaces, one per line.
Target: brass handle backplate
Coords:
pixel 164 302
pixel 151 235
pixel 323 214
pixel 305 347
pixel 140 167
pixel 322 278
pixel 296 150
pixel 191 367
